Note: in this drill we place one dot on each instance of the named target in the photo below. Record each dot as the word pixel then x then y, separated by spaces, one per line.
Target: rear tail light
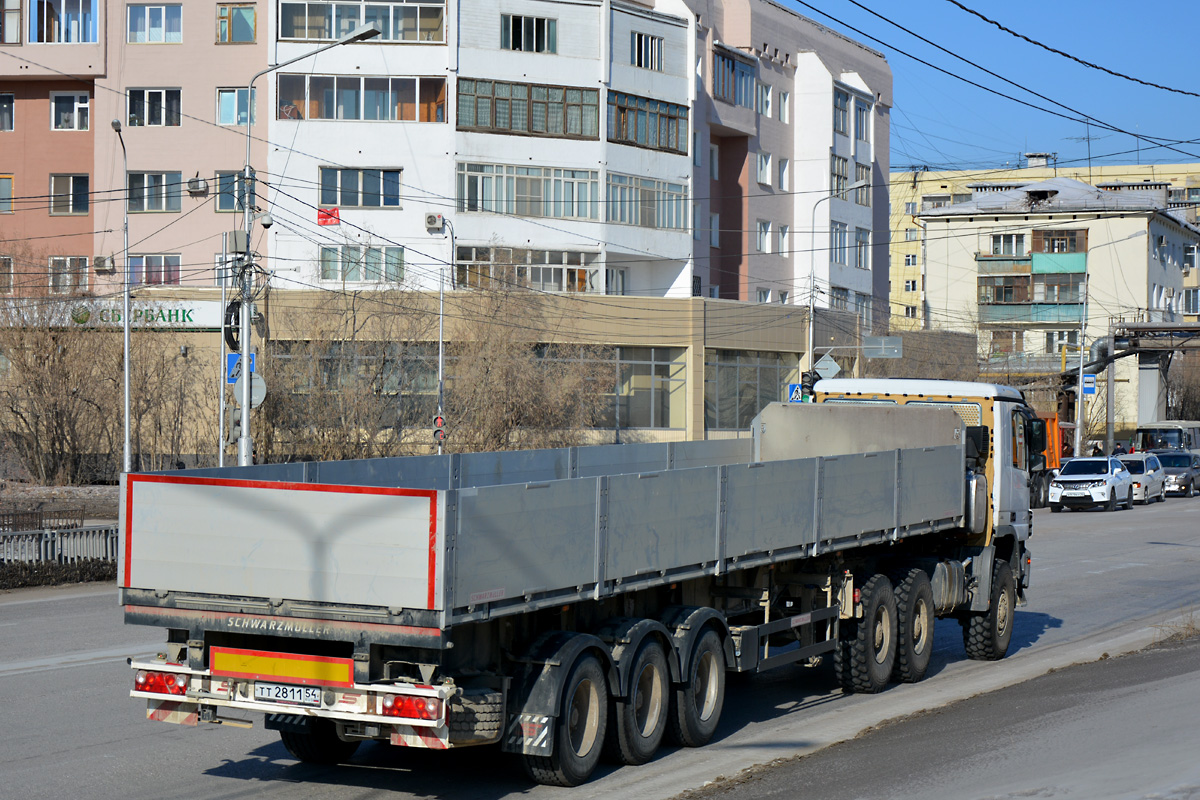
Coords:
pixel 160 682
pixel 396 705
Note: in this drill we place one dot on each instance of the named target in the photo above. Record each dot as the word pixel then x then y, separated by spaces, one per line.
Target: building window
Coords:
pixel 784 246
pixel 862 248
pixel 862 174
pixel 733 81
pixel 738 384
pixel 1057 341
pixel 714 230
pixel 528 34
pixel 910 208
pixel 529 191
pixel 763 99
pixel 839 235
pixel 59 21
pixel 645 51
pixel 784 107
pixel 6 194
pixel 652 391
pixel 541 270
pixel 762 242
pixel 225 270
pixel 910 260
pixel 155 24
pixel 1008 244
pixel 839 298
pixel 10 21
pixel 911 234
pixel 355 264
pixel 763 174
pixel 6 274
pixel 646 202
pixel 155 270
pixel 8 109
pixel 713 163
pixel 645 122
pixel 841 112
pixel 528 108
pixel 910 286
pixel 230 193
pixel 1003 289
pixel 783 297
pixel 233 108
pixel 763 295
pixel 68 274
pixel 69 112
pixel 155 191
pixel 419 21
pixel 862 309
pixel 360 188
pixel 615 281
pixel 68 194
pixel 236 24
pixel 910 312
pixel 785 177
pixel 1059 241
pixel 1191 301
pixel 1058 288
pixel 862 121
pixel 316 97
pixel 153 107
pixel 839 175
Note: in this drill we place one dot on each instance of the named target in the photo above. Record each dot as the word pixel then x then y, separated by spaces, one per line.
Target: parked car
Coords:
pixel 1090 482
pixel 1149 480
pixel 1182 471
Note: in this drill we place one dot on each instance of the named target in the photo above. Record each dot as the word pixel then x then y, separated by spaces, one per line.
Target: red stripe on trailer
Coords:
pixel 431 600
pixel 128 528
pixel 412 736
pixel 280 625
pixel 173 711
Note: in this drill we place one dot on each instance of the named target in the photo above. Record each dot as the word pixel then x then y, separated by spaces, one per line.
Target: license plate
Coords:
pixel 1075 493
pixel 281 693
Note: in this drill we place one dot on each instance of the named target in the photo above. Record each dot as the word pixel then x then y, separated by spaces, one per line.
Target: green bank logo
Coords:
pixel 80 315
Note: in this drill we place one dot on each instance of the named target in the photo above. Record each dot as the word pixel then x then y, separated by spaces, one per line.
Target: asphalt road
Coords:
pixel 1103 583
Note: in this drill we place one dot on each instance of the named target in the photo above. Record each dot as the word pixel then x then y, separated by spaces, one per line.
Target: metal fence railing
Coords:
pixel 40 519
pixel 63 546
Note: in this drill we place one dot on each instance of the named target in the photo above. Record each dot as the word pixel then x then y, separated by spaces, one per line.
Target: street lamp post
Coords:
pixel 441 331
pixel 812 268
pixel 245 440
pixel 126 453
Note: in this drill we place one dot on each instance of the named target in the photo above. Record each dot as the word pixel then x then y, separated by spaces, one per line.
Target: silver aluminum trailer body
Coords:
pixel 443 601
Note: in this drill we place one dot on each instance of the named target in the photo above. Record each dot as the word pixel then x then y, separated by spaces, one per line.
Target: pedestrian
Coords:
pixel 1096 451
pixel 1119 450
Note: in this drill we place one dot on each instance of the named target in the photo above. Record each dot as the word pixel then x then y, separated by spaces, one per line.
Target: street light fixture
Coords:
pixel 245 440
pixel 127 456
pixel 812 268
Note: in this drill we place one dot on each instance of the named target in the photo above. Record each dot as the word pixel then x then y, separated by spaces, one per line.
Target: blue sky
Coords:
pixel 944 123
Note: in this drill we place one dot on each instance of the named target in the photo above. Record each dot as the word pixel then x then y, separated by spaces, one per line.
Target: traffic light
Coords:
pixel 439 428
pixel 233 431
pixel 808 380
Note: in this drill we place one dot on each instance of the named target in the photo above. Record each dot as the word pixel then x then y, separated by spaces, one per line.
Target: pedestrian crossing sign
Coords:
pixel 795 393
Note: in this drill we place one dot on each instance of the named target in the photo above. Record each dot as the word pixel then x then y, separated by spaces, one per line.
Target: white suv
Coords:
pixel 1090 482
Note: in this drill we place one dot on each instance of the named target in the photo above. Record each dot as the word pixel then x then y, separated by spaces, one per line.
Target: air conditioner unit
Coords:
pixel 103 264
pixel 1170 292
pixel 197 185
pixel 434 222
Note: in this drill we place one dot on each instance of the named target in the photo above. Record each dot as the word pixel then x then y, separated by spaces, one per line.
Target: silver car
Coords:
pixel 1149 477
pixel 1090 482
pixel 1182 469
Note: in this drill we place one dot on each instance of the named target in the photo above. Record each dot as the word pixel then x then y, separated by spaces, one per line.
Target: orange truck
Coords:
pixel 1057 444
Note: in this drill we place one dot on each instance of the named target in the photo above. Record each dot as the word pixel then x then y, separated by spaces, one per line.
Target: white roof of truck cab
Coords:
pixel 913 387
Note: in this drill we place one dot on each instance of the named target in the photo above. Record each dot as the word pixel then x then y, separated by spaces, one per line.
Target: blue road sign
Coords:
pixel 1089 384
pixel 795 393
pixel 233 366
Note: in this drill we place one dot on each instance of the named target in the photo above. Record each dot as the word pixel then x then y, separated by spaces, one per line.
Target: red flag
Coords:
pixel 328 216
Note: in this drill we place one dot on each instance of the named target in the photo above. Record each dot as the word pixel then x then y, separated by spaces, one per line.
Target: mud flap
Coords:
pixel 531 734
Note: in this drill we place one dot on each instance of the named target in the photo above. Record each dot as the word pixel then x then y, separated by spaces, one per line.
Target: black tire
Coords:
pixel 476 716
pixel 1129 500
pixel 1111 503
pixel 1191 490
pixel 866 650
pixel 987 636
pixel 579 730
pixel 636 725
pixel 697 703
pixel 914 625
pixel 1055 508
pixel 320 745
pixel 1162 493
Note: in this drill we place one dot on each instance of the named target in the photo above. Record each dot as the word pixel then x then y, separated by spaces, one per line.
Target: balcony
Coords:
pixel 1031 313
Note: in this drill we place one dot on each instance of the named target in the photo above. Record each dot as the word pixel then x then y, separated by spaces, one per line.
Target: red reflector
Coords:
pixel 394 705
pixel 857 596
pixel 160 682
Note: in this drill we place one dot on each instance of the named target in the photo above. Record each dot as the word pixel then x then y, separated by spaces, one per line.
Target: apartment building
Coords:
pixel 1042 268
pixel 658 151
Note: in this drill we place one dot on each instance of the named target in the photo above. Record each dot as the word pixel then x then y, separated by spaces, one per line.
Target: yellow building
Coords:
pixel 915 192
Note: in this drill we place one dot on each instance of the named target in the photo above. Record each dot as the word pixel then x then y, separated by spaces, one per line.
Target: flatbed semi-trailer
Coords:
pixel 573 602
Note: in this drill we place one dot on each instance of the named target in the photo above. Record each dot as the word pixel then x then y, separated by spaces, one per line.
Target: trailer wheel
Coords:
pixel 580 729
pixel 636 726
pixel 321 745
pixel 696 705
pixel 866 649
pixel 987 636
pixel 914 623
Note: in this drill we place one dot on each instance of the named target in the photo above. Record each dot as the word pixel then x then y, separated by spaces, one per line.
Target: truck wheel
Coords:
pixel 696 705
pixel 987 636
pixel 579 730
pixel 914 624
pixel 320 745
pixel 866 649
pixel 636 726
